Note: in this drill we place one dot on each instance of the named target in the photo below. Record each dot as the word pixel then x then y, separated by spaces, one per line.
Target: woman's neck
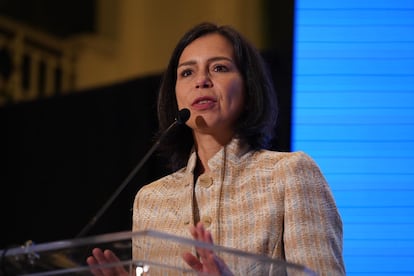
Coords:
pixel 207 146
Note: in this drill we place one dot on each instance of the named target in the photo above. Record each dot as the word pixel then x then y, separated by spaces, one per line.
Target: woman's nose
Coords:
pixel 204 82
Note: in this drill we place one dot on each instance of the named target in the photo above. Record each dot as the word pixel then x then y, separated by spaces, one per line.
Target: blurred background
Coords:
pixel 79 82
pixel 78 88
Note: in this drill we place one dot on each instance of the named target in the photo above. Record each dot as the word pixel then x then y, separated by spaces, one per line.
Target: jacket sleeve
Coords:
pixel 312 224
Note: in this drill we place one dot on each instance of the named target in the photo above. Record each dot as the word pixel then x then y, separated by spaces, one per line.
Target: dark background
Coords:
pixel 59 18
pixel 62 157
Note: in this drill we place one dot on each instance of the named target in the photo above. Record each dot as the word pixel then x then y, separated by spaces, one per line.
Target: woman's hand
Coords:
pixel 207 262
pixel 100 257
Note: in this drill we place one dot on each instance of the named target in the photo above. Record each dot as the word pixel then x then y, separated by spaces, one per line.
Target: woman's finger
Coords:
pixel 91 261
pixel 100 257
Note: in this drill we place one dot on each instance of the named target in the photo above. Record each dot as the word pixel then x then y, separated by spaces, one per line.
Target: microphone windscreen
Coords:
pixel 183 115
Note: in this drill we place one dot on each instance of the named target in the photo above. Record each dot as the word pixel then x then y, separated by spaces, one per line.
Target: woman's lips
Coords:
pixel 203 103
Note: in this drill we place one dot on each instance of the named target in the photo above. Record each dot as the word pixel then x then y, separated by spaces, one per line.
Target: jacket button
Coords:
pixel 205 181
pixel 206 221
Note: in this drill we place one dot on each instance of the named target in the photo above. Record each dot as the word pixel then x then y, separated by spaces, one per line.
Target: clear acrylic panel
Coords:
pixel 158 254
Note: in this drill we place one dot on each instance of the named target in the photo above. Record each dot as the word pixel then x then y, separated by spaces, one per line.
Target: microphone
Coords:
pixel 182 117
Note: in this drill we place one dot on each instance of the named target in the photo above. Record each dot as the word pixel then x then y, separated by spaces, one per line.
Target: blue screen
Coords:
pixel 353 112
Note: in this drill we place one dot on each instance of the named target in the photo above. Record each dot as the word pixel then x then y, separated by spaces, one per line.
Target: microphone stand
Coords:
pixel 182 117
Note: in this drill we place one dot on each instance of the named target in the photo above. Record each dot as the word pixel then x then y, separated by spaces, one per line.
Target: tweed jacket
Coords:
pixel 263 202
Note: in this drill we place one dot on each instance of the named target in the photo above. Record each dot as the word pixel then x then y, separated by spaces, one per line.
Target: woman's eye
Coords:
pixel 185 73
pixel 220 68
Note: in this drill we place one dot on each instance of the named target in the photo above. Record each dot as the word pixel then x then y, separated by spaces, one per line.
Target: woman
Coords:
pixel 228 187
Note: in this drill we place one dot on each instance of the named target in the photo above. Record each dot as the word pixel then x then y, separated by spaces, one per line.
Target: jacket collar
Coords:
pixel 232 153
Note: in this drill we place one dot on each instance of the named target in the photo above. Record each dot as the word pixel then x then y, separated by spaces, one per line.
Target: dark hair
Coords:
pixel 256 125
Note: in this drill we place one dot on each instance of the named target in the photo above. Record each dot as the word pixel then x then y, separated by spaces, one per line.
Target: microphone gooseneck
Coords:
pixel 182 117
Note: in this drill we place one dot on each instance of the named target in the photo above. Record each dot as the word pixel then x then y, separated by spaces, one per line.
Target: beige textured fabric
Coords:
pixel 263 202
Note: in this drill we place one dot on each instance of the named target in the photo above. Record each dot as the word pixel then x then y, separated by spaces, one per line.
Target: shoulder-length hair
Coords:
pixel 255 126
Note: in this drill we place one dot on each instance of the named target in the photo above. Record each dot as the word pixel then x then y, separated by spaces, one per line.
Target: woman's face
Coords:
pixel 210 85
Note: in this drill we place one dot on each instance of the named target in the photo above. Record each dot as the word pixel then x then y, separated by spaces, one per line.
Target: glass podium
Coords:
pixel 157 253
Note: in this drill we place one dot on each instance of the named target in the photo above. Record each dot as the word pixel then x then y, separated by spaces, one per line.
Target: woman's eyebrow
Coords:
pixel 192 62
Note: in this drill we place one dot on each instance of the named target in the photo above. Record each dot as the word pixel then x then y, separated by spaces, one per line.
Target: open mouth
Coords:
pixel 203 103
